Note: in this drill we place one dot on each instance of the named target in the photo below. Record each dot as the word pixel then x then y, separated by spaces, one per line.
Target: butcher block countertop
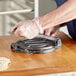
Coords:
pixel 60 61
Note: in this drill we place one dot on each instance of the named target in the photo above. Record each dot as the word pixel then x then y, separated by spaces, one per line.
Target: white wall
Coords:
pixel 46 6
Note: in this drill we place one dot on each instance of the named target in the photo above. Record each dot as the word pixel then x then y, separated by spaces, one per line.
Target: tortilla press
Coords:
pixel 37 45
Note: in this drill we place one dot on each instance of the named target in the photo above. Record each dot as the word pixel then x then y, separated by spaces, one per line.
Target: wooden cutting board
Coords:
pixel 61 60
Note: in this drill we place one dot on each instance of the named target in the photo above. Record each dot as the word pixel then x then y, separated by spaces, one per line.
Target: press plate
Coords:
pixel 37 45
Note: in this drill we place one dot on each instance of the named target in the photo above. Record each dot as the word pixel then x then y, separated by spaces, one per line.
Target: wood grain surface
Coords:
pixel 61 60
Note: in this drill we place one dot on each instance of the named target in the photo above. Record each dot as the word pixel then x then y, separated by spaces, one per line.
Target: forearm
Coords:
pixel 63 14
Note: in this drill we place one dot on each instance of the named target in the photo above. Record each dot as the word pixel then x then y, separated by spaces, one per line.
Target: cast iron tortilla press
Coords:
pixel 37 45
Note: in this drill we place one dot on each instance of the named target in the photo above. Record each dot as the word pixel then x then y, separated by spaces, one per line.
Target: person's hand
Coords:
pixel 31 28
pixel 28 29
pixel 52 31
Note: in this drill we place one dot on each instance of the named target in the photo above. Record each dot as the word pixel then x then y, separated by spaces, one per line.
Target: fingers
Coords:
pixel 16 26
pixel 54 34
pixel 47 32
pixel 20 32
pixel 50 32
pixel 26 29
pixel 17 32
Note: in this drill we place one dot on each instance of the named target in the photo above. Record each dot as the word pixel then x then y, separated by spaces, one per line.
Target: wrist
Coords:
pixel 38 25
pixel 47 21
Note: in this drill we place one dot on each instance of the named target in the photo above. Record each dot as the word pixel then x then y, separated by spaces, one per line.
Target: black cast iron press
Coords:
pixel 37 45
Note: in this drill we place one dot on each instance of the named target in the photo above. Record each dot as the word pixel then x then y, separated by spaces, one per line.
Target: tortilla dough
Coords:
pixel 4 63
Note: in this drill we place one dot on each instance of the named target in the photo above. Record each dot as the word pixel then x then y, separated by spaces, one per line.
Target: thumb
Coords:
pixel 54 34
pixel 14 28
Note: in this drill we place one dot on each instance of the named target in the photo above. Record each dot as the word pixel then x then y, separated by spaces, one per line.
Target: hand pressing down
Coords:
pixel 31 28
pixel 28 29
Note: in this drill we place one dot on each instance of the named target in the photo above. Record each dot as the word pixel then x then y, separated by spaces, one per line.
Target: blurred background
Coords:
pixel 13 11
